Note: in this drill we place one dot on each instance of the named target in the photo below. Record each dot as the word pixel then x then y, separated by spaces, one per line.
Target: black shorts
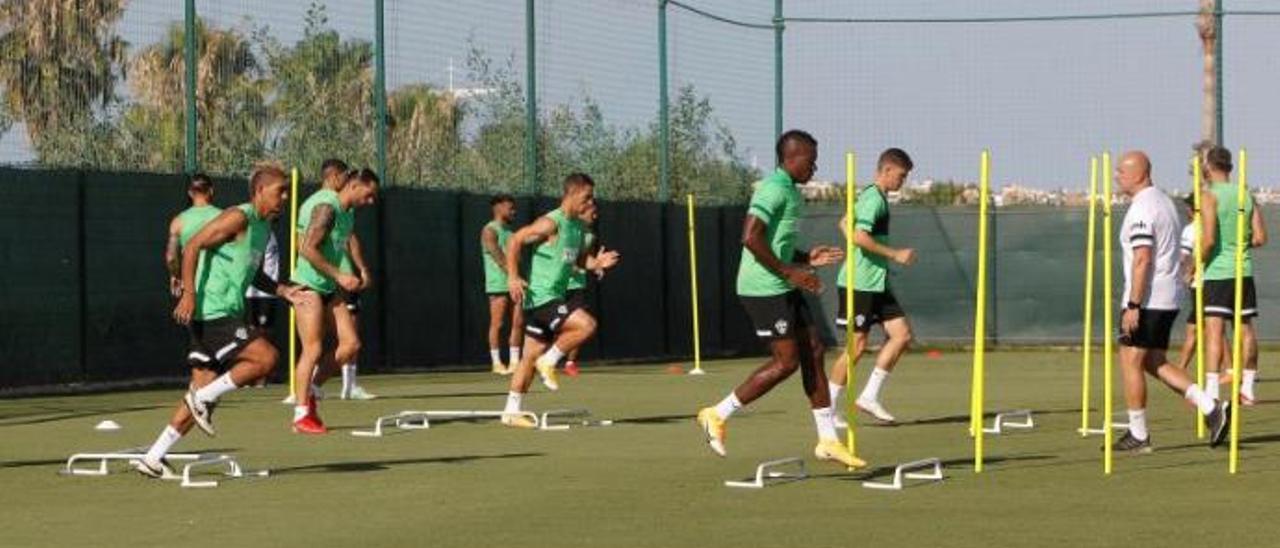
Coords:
pixel 576 298
pixel 1191 306
pixel 544 322
pixel 262 311
pixel 870 308
pixel 1220 299
pixel 778 316
pixel 325 298
pixel 1153 330
pixel 353 302
pixel 216 343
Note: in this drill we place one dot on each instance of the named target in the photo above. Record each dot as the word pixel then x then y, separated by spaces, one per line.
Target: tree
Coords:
pixel 323 90
pixel 424 142
pixel 230 103
pixel 1206 27
pixel 59 59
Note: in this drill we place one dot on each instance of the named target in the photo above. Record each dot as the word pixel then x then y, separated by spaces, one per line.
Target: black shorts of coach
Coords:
pixel 778 316
pixel 869 307
pixel 1220 299
pixel 1153 329
pixel 215 344
pixel 544 322
pixel 262 311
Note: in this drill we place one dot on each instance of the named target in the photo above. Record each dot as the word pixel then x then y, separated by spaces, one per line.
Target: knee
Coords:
pixel 906 337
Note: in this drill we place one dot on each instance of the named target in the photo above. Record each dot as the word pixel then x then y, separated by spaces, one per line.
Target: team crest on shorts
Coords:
pixel 562 309
pixel 859 320
pixel 781 327
pixel 242 333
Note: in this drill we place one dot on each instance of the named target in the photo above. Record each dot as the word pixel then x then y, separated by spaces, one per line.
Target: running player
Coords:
pixel 873 299
pixel 493 240
pixel 325 222
pixel 1149 240
pixel 228 254
pixel 771 275
pixel 553 326
pixel 576 294
pixel 1218 210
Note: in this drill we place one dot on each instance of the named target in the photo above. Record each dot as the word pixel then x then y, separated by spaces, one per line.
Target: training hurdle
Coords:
pixel 1020 419
pixel 133 454
pixel 903 472
pixel 578 417
pixel 769 473
pixel 421 420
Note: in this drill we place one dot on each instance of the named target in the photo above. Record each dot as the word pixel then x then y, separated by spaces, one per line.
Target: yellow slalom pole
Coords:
pixel 1087 343
pixel 980 315
pixel 1236 338
pixel 1196 183
pixel 1108 327
pixel 293 264
pixel 693 292
pixel 850 194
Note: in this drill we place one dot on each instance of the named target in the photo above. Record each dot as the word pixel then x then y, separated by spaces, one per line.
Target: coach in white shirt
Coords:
pixel 1149 237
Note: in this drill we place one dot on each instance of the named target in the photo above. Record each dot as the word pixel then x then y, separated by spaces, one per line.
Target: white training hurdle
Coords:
pixel 903 472
pixel 102 465
pixel 769 473
pixel 421 420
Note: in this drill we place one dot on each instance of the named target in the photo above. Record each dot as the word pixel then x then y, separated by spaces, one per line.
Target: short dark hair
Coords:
pixel 264 170
pixel 333 164
pixel 501 199
pixel 200 184
pixel 797 135
pixel 577 180
pixel 1218 158
pixel 364 175
pixel 895 157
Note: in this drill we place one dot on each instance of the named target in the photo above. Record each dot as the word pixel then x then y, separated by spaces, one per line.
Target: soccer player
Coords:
pixel 576 294
pixel 353 263
pixel 873 299
pixel 228 253
pixel 552 325
pixel 183 226
pixel 1218 211
pixel 493 240
pixel 325 223
pixel 1149 240
pixel 771 275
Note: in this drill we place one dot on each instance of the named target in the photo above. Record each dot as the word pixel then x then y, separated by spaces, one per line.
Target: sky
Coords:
pixel 1041 96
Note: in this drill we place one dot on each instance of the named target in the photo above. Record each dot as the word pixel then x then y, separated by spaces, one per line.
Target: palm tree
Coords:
pixel 58 60
pixel 423 138
pixel 230 101
pixel 1207 28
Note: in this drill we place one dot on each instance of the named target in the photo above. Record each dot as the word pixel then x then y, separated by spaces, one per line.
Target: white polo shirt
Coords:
pixel 1189 245
pixel 270 265
pixel 1152 221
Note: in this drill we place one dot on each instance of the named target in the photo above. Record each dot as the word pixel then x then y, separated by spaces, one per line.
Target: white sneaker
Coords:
pixel 157 469
pixel 358 392
pixel 200 412
pixel 876 410
pixel 549 377
pixel 291 400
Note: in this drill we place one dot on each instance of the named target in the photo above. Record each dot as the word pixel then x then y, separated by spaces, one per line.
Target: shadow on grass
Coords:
pixel 443 396
pixel 684 417
pixel 960 419
pixel 955 464
pixel 62 414
pixel 379 465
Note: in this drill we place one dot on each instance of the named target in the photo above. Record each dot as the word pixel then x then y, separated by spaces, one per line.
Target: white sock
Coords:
pixel 300 412
pixel 514 352
pixel 1246 382
pixel 871 392
pixel 1211 384
pixel 216 389
pixel 348 377
pixel 495 356
pixel 1202 400
pixel 727 406
pixel 513 402
pixel 551 356
pixel 168 437
pixel 836 391
pixel 1138 423
pixel 823 418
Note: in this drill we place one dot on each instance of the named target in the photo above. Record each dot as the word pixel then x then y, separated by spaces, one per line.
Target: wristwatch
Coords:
pixel 1132 306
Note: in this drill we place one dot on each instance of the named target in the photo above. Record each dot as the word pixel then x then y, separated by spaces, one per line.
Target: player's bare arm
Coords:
pixel 754 240
pixel 541 230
